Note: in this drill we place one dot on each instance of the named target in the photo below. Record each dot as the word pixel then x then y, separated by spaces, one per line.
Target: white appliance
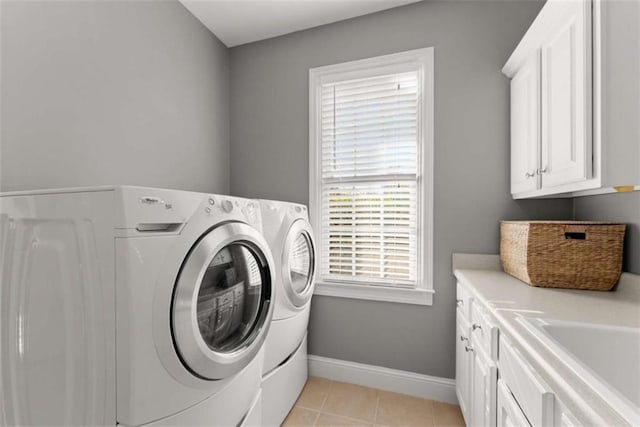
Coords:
pixel 289 235
pixel 132 305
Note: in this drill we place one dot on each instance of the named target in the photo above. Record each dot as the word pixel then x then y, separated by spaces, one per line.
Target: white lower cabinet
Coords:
pixel 509 413
pixel 463 365
pixel 484 379
pixel 494 383
pixel 533 396
pixel 564 418
pixel 476 372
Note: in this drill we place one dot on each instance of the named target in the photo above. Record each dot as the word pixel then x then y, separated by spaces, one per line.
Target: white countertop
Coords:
pixel 508 298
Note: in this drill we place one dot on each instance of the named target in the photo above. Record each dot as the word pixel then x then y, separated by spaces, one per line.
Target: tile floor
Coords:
pixel 331 403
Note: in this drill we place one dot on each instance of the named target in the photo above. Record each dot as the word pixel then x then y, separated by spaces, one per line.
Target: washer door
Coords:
pixel 221 307
pixel 298 263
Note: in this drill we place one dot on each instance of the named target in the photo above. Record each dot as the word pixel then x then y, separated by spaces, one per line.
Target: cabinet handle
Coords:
pixel 476 326
pixel 463 338
pixel 542 171
pixel 468 349
pixel 528 175
pixel 459 301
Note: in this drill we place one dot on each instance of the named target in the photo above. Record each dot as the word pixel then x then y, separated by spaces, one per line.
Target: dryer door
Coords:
pixel 298 263
pixel 221 307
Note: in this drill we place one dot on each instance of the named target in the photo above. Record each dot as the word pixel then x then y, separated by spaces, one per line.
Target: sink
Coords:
pixel 607 357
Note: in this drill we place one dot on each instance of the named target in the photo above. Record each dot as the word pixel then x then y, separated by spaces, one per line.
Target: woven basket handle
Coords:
pixel 575 232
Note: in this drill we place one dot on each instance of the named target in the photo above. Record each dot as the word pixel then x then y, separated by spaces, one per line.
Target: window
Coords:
pixel 371 174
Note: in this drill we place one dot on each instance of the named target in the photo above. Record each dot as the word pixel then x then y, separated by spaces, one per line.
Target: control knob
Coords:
pixel 227 206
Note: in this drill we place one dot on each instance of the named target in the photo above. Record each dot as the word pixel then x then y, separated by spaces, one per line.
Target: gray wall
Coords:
pixel 137 92
pixel 623 207
pixel 101 92
pixel 269 156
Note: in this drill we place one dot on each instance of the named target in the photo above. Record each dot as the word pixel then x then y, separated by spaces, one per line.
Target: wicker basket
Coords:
pixel 563 254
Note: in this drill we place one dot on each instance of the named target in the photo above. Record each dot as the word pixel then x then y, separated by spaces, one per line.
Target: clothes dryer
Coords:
pixel 289 235
pixel 158 303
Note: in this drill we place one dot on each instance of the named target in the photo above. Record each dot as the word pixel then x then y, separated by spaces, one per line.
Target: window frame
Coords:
pixel 421 60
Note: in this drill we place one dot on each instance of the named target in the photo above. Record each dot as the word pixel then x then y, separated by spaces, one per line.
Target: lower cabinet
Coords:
pixel 494 383
pixel 509 413
pixel 484 379
pixel 534 397
pixel 463 365
pixel 476 374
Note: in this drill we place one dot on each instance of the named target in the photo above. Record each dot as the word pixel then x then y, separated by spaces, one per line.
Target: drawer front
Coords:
pixel 484 331
pixel 484 377
pixel 531 393
pixel 463 300
pixel 509 413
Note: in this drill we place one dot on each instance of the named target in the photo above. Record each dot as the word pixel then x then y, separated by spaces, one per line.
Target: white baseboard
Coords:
pixel 425 386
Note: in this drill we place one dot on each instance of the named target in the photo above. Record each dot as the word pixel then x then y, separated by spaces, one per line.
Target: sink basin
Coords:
pixel 607 357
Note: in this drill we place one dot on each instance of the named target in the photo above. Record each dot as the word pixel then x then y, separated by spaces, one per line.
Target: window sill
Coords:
pixel 375 293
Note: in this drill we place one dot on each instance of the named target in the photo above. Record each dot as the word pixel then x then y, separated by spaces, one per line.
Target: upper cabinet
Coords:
pixel 566 95
pixel 525 126
pixel 573 73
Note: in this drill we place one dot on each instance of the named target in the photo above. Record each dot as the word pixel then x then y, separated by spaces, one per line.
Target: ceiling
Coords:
pixel 237 22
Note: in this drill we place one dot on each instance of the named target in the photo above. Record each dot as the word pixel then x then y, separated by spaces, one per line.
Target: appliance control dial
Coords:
pixel 227 206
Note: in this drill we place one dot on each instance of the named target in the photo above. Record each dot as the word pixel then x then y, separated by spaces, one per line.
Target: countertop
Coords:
pixel 508 299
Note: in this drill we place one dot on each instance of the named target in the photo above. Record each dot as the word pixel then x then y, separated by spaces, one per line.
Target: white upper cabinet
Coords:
pixel 566 135
pixel 566 92
pixel 525 126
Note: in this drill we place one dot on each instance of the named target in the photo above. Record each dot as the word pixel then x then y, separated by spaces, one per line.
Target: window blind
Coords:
pixel 369 162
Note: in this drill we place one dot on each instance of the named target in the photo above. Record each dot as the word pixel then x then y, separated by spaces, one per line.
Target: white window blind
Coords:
pixel 369 169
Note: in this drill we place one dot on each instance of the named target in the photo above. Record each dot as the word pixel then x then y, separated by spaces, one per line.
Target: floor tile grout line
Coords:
pixel 323 411
pixel 324 401
pixel 315 421
pixel 308 408
pixel 375 414
pixel 333 414
pixel 361 421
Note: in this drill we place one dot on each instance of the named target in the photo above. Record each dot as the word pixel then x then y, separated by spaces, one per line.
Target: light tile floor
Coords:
pixel 331 403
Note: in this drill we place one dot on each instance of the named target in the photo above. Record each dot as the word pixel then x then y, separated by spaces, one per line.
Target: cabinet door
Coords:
pixel 484 377
pixel 509 413
pixel 566 95
pixel 463 380
pixel 525 127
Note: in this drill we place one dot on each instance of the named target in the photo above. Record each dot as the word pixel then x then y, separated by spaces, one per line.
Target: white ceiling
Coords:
pixel 237 22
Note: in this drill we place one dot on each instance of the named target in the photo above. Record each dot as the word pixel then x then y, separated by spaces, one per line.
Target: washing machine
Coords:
pixel 132 306
pixel 289 235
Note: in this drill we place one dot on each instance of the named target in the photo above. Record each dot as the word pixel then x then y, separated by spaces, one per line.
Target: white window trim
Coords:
pixel 422 59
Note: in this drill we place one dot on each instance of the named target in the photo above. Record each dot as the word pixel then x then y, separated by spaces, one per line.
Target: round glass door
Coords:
pixel 230 298
pixel 299 263
pixel 222 301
